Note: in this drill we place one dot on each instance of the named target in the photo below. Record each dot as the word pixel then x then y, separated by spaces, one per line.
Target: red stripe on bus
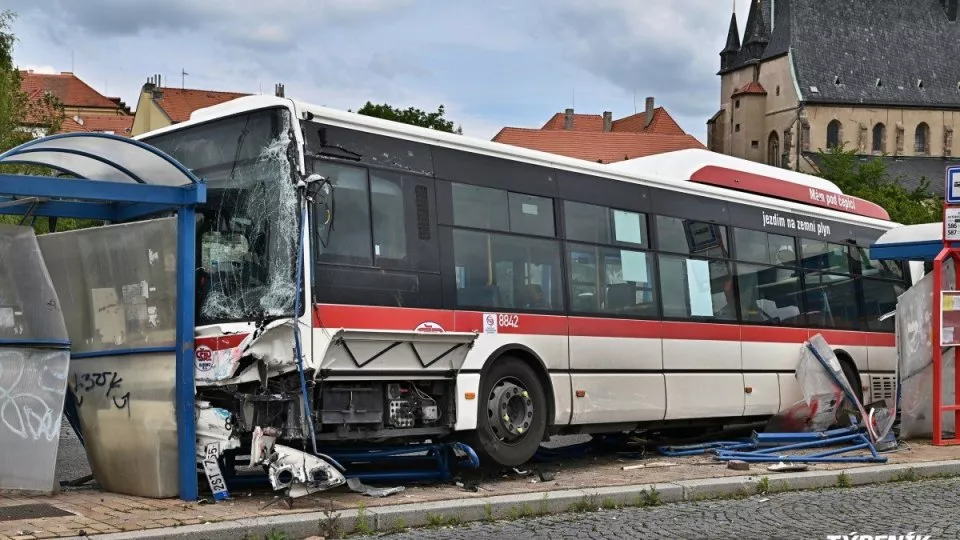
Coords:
pixel 765 185
pixel 408 319
pixel 220 343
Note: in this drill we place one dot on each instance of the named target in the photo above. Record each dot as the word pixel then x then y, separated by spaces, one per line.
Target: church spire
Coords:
pixel 755 34
pixel 729 52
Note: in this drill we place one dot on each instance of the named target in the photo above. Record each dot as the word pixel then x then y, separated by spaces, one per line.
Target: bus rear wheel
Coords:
pixel 512 413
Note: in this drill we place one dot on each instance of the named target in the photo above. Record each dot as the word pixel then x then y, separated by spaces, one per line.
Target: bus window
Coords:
pixel 880 297
pixel 691 237
pixel 769 294
pixel 764 248
pixel 507 272
pixel 623 283
pixel 602 225
pixel 389 225
pixel 694 288
pixel 480 207
pixel 820 255
pixel 346 238
pixel 831 301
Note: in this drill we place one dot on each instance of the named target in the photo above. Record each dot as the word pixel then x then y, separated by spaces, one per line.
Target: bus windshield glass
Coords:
pixel 248 228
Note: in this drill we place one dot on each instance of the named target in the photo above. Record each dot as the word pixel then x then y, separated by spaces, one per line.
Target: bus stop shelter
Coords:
pixel 121 180
pixel 910 242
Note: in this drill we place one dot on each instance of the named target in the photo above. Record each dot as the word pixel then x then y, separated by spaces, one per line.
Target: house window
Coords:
pixel 737 103
pixel 879 134
pixel 773 149
pixel 921 141
pixel 754 144
pixel 737 128
pixel 834 133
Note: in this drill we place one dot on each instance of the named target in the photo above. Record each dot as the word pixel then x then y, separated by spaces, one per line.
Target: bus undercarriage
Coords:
pixel 375 386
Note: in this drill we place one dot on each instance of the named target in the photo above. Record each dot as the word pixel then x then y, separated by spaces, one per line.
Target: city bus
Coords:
pixel 454 288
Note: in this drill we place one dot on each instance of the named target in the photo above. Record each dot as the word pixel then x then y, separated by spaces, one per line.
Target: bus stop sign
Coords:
pixel 952 190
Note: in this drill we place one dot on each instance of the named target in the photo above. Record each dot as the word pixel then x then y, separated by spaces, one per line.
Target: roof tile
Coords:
pixel 69 89
pixel 179 103
pixel 596 146
pixel 750 88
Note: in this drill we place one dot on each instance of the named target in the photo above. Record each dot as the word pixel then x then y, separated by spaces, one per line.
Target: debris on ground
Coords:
pixel 738 465
pixel 788 467
pixel 359 487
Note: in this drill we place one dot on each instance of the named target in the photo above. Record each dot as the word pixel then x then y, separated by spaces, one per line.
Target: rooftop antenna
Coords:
pixel 183 78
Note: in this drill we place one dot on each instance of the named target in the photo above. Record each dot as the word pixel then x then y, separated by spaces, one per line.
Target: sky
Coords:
pixel 491 64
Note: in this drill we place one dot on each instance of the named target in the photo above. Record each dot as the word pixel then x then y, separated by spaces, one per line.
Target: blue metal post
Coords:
pixel 186 422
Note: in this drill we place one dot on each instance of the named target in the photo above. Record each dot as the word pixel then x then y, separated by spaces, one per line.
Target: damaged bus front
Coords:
pixel 272 382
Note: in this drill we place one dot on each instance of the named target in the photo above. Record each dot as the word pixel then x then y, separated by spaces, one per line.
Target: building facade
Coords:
pixel 84 108
pixel 880 77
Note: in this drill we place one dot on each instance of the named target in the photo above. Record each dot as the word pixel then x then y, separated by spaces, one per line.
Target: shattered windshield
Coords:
pixel 248 228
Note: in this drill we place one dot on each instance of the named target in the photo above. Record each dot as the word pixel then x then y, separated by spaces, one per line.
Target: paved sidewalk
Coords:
pixel 87 511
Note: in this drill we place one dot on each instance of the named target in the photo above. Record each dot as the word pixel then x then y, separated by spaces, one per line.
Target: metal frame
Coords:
pixel 126 196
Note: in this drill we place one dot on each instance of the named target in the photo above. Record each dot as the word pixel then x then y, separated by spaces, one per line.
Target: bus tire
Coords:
pixel 850 372
pixel 511 413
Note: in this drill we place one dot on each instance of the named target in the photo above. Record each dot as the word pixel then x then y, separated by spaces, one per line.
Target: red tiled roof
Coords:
pixel 636 123
pixel 596 146
pixel 101 123
pixel 662 123
pixel 69 89
pixel 179 103
pixel 581 122
pixel 750 88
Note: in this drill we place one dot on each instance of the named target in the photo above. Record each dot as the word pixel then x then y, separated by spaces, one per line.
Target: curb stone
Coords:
pixel 496 507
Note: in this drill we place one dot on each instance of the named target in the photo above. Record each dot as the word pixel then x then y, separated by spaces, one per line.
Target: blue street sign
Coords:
pixel 952 190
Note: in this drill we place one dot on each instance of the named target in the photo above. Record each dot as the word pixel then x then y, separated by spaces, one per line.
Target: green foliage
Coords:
pixel 870 180
pixel 45 114
pixel 412 116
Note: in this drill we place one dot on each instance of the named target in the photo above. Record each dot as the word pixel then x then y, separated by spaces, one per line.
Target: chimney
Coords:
pixel 568 119
pixel 649 112
pixel 278 90
pixel 607 121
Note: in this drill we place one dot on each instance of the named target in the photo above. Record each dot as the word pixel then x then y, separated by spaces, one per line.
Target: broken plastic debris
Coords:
pixel 356 485
pixel 788 467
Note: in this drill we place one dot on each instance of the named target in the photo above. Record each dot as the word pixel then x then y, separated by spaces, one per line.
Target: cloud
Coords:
pixel 491 63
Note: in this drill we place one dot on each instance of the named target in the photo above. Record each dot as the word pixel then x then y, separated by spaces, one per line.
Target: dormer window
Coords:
pixel 920 83
pixel 836 80
pixel 879 83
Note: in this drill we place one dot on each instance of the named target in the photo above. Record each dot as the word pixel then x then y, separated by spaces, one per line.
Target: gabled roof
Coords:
pixel 884 52
pixel 179 103
pixel 598 147
pixel 750 88
pixel 662 123
pixel 69 89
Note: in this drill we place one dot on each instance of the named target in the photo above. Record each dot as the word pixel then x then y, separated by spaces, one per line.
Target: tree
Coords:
pixel 412 116
pixel 870 180
pixel 23 118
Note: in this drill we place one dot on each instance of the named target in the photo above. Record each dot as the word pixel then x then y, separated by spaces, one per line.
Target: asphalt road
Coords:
pixel 922 508
pixel 71 458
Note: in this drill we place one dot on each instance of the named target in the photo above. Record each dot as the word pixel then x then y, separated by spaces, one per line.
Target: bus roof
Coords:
pixel 717 174
pixel 712 168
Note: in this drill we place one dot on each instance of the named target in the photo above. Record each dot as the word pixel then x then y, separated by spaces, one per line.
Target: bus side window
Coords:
pixel 506 271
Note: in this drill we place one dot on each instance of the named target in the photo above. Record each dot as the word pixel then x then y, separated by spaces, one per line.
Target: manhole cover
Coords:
pixel 31 511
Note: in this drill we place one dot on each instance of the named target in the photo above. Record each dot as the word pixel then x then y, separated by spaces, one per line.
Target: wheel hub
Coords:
pixel 510 410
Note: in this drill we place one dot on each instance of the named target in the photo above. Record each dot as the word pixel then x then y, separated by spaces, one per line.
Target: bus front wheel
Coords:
pixel 512 412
